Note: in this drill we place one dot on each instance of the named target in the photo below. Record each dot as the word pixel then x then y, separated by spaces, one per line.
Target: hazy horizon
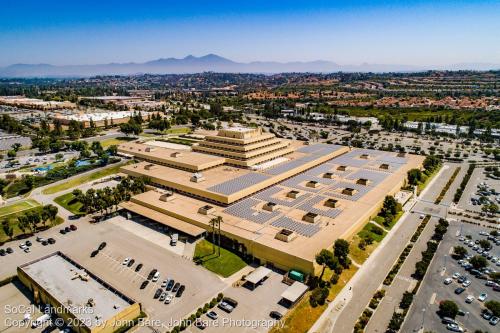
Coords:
pixel 414 33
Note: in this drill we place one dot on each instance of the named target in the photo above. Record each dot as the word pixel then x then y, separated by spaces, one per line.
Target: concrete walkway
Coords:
pixel 401 283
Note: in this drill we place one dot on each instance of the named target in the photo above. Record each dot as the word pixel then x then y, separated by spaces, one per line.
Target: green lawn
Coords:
pixel 69 202
pixel 226 265
pixel 368 230
pixel 17 207
pixel 178 130
pixel 83 179
pixel 380 220
pixel 112 141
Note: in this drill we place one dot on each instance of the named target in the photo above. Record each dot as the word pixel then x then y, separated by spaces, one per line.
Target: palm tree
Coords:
pixel 215 223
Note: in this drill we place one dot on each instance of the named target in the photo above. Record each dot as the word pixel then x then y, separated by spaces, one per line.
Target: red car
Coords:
pixel 73 227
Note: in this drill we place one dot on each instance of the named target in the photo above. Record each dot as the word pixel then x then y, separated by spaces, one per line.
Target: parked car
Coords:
pixel 28 243
pixel 212 315
pixel 169 298
pixel 180 291
pixel 200 324
pixel 459 290
pixel 94 253
pixel 51 240
pixel 45 242
pixel 138 267
pixel 225 307
pixel 62 231
pixel 157 293
pixel 67 229
pixel 456 275
pixel 102 246
pixel 152 273
pixel 170 284
pixel 494 321
pixel 144 284
pixel 448 281
pixel 482 297
pixel 454 328
pixel 9 250
pixel 275 315
pixel 73 227
pixel 125 261
pixel 469 299
pixel 487 314
pixel 164 283
pixel 163 296
pixel 130 263
pixel 176 287
pixel 2 252
pixel 466 283
pixel 156 276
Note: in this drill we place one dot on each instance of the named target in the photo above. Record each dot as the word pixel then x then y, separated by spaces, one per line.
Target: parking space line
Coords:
pixel 433 298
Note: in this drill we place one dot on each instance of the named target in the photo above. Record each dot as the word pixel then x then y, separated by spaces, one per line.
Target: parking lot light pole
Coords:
pixel 423 318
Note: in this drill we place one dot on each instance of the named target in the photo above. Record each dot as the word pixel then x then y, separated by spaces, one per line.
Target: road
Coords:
pixel 344 311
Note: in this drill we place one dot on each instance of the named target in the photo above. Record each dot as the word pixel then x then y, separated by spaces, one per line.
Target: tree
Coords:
pixel 318 296
pixel 59 156
pixel 11 153
pixel 390 206
pixel 325 259
pixel 478 262
pixel 414 176
pixel 7 229
pixel 493 306
pixel 448 309
pixel 459 251
pixel 341 251
pixel 215 223
pixel 431 162
pixel 494 233
pixel 16 146
pixel 485 244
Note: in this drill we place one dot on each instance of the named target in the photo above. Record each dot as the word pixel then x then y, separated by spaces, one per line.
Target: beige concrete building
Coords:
pixel 282 214
pixel 78 296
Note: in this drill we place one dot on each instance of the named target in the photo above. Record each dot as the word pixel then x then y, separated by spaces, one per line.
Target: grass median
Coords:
pixel 83 179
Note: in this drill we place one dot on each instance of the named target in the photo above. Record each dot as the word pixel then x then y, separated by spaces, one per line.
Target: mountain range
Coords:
pixel 214 63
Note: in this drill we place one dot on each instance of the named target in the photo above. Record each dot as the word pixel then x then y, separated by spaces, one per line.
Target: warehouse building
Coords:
pixel 78 296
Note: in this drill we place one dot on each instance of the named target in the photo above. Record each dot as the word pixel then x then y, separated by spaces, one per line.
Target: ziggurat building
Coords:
pixel 282 200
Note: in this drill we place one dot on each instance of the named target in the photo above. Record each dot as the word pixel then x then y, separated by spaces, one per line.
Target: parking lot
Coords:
pixel 252 312
pixel 434 289
pixel 479 186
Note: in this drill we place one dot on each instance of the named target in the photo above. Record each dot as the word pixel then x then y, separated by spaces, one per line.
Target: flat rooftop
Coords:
pixel 246 218
pixel 180 158
pixel 223 183
pixel 72 286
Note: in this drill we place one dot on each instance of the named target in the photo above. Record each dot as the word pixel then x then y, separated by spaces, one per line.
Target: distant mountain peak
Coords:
pixel 214 63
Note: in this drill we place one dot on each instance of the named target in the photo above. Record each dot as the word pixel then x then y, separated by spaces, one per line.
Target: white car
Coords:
pixel 469 299
pixel 125 262
pixel 482 297
pixel 164 283
pixel 156 276
pixel 448 281
pixel 454 327
pixel 169 298
pixel 456 275
pixel 466 283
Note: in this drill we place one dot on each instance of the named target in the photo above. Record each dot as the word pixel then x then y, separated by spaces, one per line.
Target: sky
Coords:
pixel 420 33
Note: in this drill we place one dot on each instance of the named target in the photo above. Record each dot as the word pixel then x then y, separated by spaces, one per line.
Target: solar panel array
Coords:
pixel 287 166
pixel 319 149
pixel 308 206
pixel 250 208
pixel 245 210
pixel 360 191
pixel 373 176
pixel 239 183
pixel 304 229
pixel 267 196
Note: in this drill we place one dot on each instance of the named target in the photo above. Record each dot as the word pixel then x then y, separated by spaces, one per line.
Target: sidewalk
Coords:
pixel 402 282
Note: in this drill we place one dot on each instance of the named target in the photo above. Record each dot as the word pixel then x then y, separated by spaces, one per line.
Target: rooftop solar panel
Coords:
pixel 304 229
pixel 239 183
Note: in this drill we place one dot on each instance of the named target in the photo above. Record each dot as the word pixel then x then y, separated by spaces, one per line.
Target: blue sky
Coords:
pixel 347 32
